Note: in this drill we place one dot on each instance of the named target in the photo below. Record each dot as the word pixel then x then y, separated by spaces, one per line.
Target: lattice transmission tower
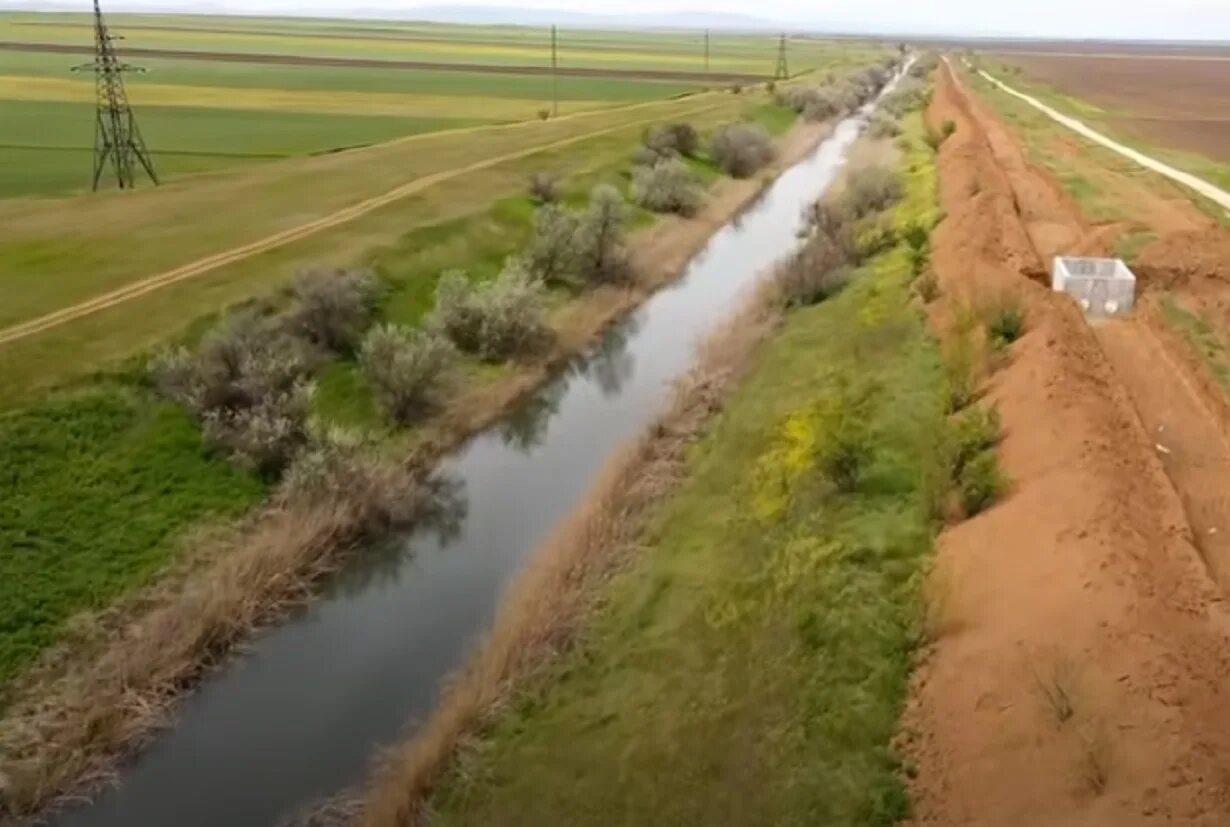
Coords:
pixel 117 139
pixel 782 72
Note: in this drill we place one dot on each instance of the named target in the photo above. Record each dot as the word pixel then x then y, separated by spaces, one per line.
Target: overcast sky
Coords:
pixel 1145 19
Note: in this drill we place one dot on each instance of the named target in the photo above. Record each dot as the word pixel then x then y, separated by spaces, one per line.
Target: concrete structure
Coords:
pixel 1103 286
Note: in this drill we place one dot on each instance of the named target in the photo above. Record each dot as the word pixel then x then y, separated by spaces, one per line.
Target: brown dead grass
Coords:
pixel 541 613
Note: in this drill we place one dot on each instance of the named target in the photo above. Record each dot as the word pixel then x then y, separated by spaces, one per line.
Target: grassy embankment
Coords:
pixel 749 665
pixel 107 480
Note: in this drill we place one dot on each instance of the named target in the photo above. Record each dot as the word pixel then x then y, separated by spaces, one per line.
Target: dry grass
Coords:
pixel 67 736
pixel 541 613
pixel 1056 683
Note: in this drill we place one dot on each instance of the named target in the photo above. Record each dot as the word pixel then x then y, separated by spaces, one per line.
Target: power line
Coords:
pixel 554 72
pixel 117 138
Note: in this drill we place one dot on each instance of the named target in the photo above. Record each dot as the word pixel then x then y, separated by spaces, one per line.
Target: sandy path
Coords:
pixel 213 262
pixel 1213 193
pixel 1079 666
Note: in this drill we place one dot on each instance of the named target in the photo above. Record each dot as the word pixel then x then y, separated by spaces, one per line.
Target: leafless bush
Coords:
pixel 406 367
pixel 246 383
pixel 665 141
pixel 494 320
pixel 668 186
pixel 544 187
pixel 883 125
pixel 602 257
pixel 741 149
pixel 552 251
pixel 333 307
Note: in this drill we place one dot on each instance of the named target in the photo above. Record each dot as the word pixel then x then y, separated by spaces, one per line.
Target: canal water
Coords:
pixel 302 714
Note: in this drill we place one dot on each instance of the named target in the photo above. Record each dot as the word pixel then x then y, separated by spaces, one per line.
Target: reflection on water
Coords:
pixel 441 517
pixel 302 715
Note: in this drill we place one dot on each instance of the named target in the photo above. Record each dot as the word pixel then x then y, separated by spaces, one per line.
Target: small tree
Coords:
pixel 668 186
pixel 266 436
pixel 883 126
pixel 333 307
pixel 601 255
pixel 741 149
pixel 407 368
pixel 552 251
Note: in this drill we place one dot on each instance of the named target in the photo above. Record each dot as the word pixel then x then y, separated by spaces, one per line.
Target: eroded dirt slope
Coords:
pixel 1079 674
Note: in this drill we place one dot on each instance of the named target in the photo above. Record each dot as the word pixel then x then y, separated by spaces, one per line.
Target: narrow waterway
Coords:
pixel 301 716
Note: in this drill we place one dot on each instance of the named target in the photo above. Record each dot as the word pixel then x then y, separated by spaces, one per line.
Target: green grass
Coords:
pixel 95 490
pixel 750 665
pixel 1201 337
pixel 777 120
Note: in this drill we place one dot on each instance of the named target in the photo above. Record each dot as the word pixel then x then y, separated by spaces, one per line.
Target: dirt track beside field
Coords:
pixel 1178 103
pixel 1082 645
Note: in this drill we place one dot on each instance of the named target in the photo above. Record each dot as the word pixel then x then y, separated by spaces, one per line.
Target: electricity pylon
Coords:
pixel 117 139
pixel 782 72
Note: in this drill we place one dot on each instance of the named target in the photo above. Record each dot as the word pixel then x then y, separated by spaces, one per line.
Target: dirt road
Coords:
pixel 210 263
pixel 1082 647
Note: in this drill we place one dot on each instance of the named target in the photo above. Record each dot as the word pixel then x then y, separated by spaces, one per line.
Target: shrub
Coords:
pixel 332 308
pixel 668 140
pixel 845 439
pixel 980 483
pixel 976 431
pixel 873 189
pixel 601 255
pixel 883 126
pixel 552 251
pixel 247 384
pixel 493 320
pixel 645 156
pixel 1006 324
pixel 407 368
pixel 544 187
pixel 267 435
pixel 544 114
pixel 818 270
pixel 668 186
pixel 928 287
pixel 736 89
pixel 741 149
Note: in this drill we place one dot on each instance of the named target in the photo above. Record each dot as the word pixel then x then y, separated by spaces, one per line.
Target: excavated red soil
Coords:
pixel 1083 650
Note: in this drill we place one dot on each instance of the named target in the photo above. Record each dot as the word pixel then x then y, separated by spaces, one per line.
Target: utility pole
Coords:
pixel 706 51
pixel 116 136
pixel 782 72
pixel 554 73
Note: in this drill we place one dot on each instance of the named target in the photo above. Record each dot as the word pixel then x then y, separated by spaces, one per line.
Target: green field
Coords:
pixel 199 114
